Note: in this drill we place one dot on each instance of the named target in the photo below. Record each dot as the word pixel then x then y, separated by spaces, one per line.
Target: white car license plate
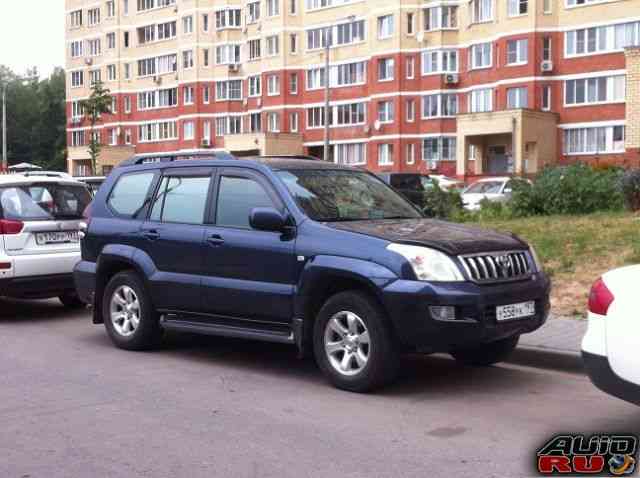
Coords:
pixel 515 311
pixel 62 237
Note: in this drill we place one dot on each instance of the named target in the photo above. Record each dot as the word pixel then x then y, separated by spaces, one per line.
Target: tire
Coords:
pixel 373 363
pixel 136 325
pixel 71 300
pixel 484 355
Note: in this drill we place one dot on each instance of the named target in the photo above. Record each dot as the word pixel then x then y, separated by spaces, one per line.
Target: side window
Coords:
pixel 130 192
pixel 236 198
pixel 181 200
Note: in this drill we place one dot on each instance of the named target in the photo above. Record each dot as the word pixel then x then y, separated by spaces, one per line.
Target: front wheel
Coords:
pixel 353 343
pixel 129 317
pixel 487 354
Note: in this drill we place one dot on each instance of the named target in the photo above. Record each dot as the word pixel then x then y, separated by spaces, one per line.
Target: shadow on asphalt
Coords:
pixel 35 311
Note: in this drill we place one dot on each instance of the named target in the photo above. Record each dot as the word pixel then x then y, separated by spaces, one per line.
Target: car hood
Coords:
pixel 447 237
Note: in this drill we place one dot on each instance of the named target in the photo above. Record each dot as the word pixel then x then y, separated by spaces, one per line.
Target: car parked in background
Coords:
pixel 491 189
pixel 303 252
pixel 411 185
pixel 447 183
pixel 611 346
pixel 40 217
pixel 92 182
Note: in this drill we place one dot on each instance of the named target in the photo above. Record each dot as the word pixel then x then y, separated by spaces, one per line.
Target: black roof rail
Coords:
pixel 289 156
pixel 171 157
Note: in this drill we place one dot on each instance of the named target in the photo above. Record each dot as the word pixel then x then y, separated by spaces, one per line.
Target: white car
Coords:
pixel 611 346
pixel 40 217
pixel 492 189
pixel 447 183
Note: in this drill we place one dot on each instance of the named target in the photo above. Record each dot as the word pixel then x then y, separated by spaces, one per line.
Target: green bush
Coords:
pixel 631 189
pixel 575 189
pixel 442 204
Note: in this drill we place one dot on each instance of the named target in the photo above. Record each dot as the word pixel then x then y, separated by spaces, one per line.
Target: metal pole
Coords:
pixel 4 128
pixel 326 93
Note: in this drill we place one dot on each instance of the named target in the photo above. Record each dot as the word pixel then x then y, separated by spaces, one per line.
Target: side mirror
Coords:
pixel 267 219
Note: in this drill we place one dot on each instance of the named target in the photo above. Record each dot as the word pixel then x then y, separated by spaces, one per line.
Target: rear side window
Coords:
pixel 130 192
pixel 236 198
pixel 182 200
pixel 44 202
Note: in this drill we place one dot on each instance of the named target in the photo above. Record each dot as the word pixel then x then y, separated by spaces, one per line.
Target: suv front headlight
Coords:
pixel 536 259
pixel 429 264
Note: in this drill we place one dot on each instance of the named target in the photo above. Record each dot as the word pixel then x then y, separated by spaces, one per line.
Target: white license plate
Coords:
pixel 515 311
pixel 62 237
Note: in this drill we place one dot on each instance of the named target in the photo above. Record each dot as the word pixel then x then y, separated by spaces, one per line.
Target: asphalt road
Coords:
pixel 71 405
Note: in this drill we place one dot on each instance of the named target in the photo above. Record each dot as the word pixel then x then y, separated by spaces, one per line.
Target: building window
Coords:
pixel 273 8
pixel 125 41
pixel 481 101
pixel 127 136
pixel 206 133
pixel 273 45
pixel 441 18
pixel 410 110
pixel 546 49
pixel 227 54
pixel 340 75
pixel 411 25
pixel 480 56
pixel 546 98
pixel 351 154
pixel 253 12
pixel 273 122
pixel 159 131
pixel 293 7
pixel 205 57
pixel 546 6
pixel 164 98
pixel 229 90
pixel 95 77
pixel 77 111
pixel 439 61
pixel 93 16
pixel 605 89
pixel 255 85
pixel 94 47
pixel 111 72
pixel 517 98
pixel 385 111
pixel 254 49
pixel 594 140
pixel 385 154
pixel 158 65
pixel 293 43
pixel 410 155
pixel 342 34
pixel 111 9
pixel 293 122
pixel 315 117
pixel 187 59
pixel 228 18
pixel 187 24
pixel 127 71
pixel 273 85
pixel 76 48
pixel 127 104
pixel 77 79
pixel 77 138
pixel 481 11
pixel 255 122
pixel 188 95
pixel 517 8
pixel 206 95
pixel 603 39
pixel 111 40
pixel 441 148
pixel 113 137
pixel 439 105
pixel 385 27
pixel 293 83
pixel 189 130
pixel 411 67
pixel 205 22
pixel 75 19
pixel 517 52
pixel 385 69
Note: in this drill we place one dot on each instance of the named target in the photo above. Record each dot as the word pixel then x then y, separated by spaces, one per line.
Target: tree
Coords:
pixel 97 104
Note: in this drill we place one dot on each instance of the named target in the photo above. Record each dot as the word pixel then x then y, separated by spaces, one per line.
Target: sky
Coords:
pixel 32 34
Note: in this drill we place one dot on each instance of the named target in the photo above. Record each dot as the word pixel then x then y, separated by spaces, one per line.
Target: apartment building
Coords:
pixel 456 87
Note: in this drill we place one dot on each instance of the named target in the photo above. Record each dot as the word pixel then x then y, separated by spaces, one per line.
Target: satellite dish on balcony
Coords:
pixel 377 125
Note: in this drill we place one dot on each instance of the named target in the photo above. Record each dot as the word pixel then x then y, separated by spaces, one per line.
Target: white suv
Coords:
pixel 40 217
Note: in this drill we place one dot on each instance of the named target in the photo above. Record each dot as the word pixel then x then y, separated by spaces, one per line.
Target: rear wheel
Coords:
pixel 353 344
pixel 129 316
pixel 487 354
pixel 71 300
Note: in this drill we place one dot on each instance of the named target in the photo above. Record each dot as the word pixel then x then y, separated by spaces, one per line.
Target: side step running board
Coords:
pixel 229 331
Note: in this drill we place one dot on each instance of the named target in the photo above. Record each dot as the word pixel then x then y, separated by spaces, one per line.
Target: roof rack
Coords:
pixel 289 156
pixel 171 157
pixel 48 174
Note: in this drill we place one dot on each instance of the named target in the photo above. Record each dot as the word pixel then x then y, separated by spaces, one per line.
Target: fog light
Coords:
pixel 443 312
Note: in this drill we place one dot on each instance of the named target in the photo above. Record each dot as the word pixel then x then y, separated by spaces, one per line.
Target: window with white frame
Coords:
pixel 77 79
pixel 546 98
pixel 604 89
pixel 111 40
pixel 517 51
pixel 158 131
pixel 517 97
pixel 293 83
pixel 151 4
pixel 158 65
pixel 441 18
pixel 255 122
pixel 94 47
pixel 348 114
pixel 113 137
pixel 385 69
pixel 546 6
pixel 439 61
pixel 187 59
pixel 578 3
pixel 127 71
pixel 516 8
pixel 114 105
pixel 273 45
pixel 163 98
pixel 350 154
pixel 546 48
pixel 385 154
pixel 187 24
pixel 273 85
pixel 481 100
pixel 189 130
pixel 127 104
pixel 273 122
pixel 147 34
pixel 341 34
pixel 76 48
pixel 111 8
pixel 188 93
pixel 77 111
pixel 293 7
pixel 227 54
pixel 410 109
pixel 602 39
pixel 411 23
pixel 315 117
pixel 254 49
pixel 95 77
pixel 410 65
pixel 386 26
pixel 205 57
pixel 77 138
pixel 127 136
pixel 480 56
pixel 293 122
pixel 594 140
pixel 167 30
pixel 293 43
pixel 75 18
pixel 228 18
pixel 253 12
pixel 273 8
pixel 205 22
pixel 229 90
pixel 410 153
pixel 481 11
pixel 316 4
pixel 439 105
pixel 385 111
pixel 439 148
pixel 346 74
pixel 206 132
pixel 111 72
pixel 206 95
pixel 255 85
pixel 93 16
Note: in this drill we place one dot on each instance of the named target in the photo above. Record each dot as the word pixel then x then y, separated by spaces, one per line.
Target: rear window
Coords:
pixel 130 193
pixel 43 202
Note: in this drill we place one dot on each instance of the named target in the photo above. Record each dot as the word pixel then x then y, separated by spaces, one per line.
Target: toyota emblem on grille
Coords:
pixel 504 262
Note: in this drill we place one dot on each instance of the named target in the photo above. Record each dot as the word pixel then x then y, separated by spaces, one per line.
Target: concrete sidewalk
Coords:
pixel 559 335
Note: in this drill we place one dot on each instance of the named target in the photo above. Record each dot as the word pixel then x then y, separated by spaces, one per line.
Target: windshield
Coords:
pixel 43 202
pixel 485 187
pixel 344 195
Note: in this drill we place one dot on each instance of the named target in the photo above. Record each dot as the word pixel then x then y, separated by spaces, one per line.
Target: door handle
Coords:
pixel 151 234
pixel 215 240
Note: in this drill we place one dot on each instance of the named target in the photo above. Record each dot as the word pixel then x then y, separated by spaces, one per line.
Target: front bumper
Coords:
pixel 407 303
pixel 36 287
pixel 603 377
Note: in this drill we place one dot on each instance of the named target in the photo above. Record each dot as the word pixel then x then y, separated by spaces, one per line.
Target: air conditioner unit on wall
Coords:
pixel 451 79
pixel 234 67
pixel 546 65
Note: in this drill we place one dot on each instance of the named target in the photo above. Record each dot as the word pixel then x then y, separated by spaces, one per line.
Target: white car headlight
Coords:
pixel 536 259
pixel 429 264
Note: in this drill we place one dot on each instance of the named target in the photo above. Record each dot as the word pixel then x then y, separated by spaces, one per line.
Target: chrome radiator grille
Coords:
pixel 497 266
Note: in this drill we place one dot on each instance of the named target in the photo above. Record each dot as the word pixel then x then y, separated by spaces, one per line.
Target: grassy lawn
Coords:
pixel 576 250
